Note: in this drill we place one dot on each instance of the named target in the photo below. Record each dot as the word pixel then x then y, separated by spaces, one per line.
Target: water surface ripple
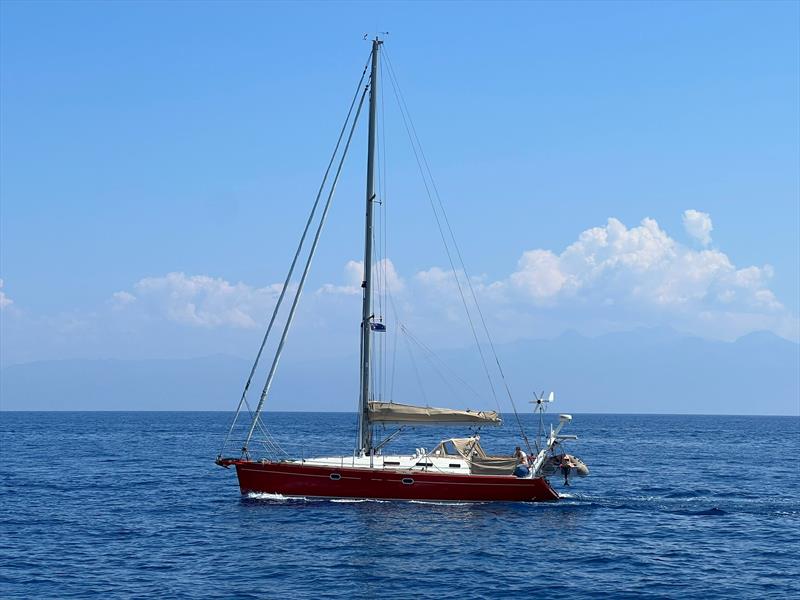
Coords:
pixel 131 505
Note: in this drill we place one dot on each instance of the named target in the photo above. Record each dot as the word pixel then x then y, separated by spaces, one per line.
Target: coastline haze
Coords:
pixel 646 371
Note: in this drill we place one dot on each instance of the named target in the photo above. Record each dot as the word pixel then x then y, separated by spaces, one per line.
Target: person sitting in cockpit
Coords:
pixel 519 453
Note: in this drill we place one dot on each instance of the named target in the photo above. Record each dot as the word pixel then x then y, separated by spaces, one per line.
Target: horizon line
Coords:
pixel 625 414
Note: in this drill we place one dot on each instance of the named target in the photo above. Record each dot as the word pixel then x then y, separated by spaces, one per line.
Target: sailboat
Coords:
pixel 458 468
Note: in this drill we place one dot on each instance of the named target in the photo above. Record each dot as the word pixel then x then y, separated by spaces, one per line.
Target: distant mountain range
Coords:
pixel 642 371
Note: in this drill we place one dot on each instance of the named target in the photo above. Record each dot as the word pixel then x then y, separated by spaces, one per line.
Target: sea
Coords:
pixel 131 505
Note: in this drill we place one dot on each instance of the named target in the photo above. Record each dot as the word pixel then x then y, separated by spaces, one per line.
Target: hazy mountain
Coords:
pixel 190 384
pixel 651 370
pixel 662 371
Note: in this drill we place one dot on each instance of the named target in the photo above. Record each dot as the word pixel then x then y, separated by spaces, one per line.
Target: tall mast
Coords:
pixel 364 429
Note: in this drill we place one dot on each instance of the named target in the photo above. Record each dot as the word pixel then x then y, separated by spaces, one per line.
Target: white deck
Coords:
pixel 414 462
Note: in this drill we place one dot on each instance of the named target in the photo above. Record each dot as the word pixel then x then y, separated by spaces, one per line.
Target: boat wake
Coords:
pixel 358 500
pixel 280 498
pixel 268 497
pixel 273 497
pixel 441 503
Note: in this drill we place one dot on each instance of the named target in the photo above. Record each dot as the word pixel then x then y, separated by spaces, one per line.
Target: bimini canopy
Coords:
pixel 462 447
pixel 391 412
pixel 480 462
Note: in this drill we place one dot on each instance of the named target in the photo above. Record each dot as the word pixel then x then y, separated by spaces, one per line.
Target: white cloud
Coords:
pixel 201 300
pixel 637 275
pixel 4 300
pixel 383 270
pixel 437 277
pixel 540 274
pixel 354 273
pixel 698 225
pixel 610 278
pixel 123 298
pixel 641 266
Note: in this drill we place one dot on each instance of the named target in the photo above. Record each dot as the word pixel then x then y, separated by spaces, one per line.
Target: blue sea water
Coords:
pixel 132 505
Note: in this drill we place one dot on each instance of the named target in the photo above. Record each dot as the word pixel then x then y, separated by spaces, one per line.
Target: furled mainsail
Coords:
pixel 392 412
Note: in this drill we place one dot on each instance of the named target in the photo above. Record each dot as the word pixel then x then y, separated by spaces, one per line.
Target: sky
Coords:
pixel 605 166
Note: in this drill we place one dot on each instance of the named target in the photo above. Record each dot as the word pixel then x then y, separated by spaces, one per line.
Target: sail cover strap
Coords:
pixel 391 412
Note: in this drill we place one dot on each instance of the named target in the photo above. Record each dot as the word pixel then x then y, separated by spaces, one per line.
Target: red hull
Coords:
pixel 295 479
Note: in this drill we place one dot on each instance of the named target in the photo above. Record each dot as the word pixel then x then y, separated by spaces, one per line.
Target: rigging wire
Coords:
pixel 375 348
pixel 416 372
pixel 298 293
pixel 385 222
pixel 394 346
pixel 401 98
pixel 405 120
pixel 379 349
pixel 433 357
pixel 438 371
pixel 269 442
pixel 243 399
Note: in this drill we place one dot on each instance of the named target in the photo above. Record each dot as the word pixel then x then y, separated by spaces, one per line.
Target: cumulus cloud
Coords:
pixel 353 275
pixel 4 300
pixel 611 277
pixel 201 300
pixel 540 274
pixel 698 225
pixel 639 275
pixel 644 267
pixel 382 271
pixel 123 298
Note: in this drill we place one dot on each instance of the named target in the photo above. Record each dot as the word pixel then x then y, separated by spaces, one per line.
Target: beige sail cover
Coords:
pixel 391 412
pixel 493 465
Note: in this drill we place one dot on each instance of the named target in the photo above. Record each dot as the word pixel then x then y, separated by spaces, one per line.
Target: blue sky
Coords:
pixel 144 139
